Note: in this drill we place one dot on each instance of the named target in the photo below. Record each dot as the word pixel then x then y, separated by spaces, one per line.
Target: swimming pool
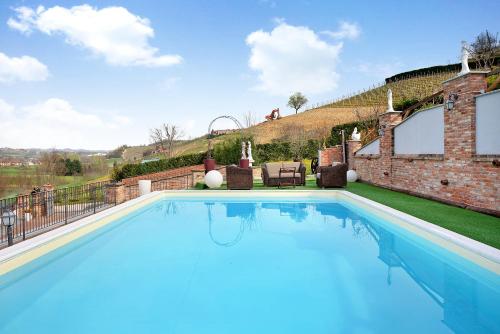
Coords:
pixel 292 264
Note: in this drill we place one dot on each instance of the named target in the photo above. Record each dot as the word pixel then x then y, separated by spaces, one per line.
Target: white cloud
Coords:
pixel 293 58
pixel 23 68
pixel 121 37
pixel 55 123
pixel 347 30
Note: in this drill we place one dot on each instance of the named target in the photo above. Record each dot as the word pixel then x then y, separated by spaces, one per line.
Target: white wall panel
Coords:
pixel 488 123
pixel 422 133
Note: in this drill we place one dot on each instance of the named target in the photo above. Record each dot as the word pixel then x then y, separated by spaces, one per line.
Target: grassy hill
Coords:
pixel 321 118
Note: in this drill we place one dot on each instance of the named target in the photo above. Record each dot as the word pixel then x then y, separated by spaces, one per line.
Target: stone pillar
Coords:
pixel 330 155
pixel 387 121
pixel 48 207
pixel 115 193
pixel 352 147
pixel 460 122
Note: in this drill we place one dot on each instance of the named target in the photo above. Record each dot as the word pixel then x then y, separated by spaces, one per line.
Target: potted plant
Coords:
pixel 209 162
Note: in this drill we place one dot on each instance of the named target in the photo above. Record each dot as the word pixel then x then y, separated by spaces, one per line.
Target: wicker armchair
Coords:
pixel 271 173
pixel 239 178
pixel 332 176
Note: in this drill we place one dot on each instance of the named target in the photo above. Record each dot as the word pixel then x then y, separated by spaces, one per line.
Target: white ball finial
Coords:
pixel 352 176
pixel 214 179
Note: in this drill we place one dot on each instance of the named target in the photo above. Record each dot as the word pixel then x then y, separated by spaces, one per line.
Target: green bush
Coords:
pixel 336 134
pixel 131 170
pixel 402 105
pixel 229 151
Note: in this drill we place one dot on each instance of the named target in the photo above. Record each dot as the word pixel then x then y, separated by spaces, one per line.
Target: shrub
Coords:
pixel 403 104
pixel 368 133
pixel 229 151
pixel 131 170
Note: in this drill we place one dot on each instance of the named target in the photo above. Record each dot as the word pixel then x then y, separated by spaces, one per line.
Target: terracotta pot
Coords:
pixel 209 164
pixel 244 163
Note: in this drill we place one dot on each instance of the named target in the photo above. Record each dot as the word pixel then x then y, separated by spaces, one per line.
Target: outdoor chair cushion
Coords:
pixel 295 165
pixel 273 168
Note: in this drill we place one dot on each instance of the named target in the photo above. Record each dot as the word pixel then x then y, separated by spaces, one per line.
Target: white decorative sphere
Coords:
pixel 213 179
pixel 352 176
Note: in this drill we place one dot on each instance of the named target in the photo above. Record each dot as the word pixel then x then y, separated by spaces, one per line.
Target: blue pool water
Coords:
pixel 193 266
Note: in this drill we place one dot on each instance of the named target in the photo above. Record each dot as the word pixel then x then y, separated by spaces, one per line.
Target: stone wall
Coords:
pixel 459 176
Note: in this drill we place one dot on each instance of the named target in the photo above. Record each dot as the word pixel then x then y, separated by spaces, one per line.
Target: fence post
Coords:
pixel 65 206
pixel 23 217
pixel 94 195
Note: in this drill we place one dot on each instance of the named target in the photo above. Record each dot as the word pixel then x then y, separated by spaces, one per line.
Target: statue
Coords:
pixel 389 101
pixel 243 153
pixel 249 153
pixel 355 134
pixel 465 59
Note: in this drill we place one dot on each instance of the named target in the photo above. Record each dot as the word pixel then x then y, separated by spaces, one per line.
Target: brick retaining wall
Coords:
pixel 458 176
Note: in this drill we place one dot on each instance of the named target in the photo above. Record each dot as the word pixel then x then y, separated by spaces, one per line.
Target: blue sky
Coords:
pixel 98 74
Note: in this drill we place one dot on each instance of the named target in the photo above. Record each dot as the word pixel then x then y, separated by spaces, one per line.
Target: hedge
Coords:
pixel 229 151
pixel 131 170
pixel 336 135
pixel 436 69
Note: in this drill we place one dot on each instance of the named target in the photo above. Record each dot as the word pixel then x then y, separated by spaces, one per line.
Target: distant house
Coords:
pixel 11 162
pixel 222 132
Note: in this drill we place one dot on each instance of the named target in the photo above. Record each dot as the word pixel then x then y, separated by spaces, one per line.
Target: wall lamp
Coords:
pixel 8 219
pixel 450 103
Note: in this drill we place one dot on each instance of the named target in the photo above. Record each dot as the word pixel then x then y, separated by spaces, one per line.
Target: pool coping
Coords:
pixel 28 250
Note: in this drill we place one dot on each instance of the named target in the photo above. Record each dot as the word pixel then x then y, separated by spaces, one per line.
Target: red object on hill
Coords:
pixel 275 114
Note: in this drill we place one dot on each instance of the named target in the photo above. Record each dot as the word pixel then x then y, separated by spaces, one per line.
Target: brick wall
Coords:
pixel 331 154
pixel 173 179
pixel 165 174
pixel 458 177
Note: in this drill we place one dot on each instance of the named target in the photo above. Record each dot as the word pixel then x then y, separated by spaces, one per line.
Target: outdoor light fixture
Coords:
pixel 450 103
pixel 381 131
pixel 9 219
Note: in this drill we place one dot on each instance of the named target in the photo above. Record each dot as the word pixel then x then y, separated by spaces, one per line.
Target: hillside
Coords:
pixel 316 121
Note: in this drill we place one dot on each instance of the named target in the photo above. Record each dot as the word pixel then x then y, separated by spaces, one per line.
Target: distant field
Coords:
pixel 20 180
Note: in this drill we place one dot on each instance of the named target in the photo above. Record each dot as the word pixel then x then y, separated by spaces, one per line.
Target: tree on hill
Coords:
pixel 484 49
pixel 166 136
pixel 297 101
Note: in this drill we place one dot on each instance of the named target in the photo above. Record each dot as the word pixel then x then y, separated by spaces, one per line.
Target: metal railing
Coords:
pixel 25 216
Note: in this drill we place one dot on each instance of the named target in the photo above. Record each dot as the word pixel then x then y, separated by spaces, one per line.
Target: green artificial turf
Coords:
pixel 475 225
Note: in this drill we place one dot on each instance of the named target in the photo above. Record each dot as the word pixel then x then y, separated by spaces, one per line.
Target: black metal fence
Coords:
pixel 24 216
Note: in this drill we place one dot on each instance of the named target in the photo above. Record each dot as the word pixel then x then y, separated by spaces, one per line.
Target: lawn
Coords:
pixel 475 225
